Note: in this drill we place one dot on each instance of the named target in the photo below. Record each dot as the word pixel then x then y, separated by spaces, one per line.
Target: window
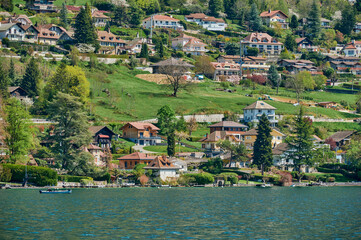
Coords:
pixel 248 138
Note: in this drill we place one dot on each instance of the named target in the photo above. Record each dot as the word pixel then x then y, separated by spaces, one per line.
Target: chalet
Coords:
pixel 22 19
pixel 102 136
pixel 207 22
pixel 228 126
pixel 264 42
pixel 99 19
pixel 141 133
pixel 295 66
pixel 19 93
pixel 325 23
pixel 163 168
pixel 352 49
pixel 31 33
pixel 330 58
pixel 12 31
pixel 342 138
pixel 346 67
pixel 162 21
pixel 110 42
pixel 209 143
pixel 189 45
pixel 253 113
pixel 250 64
pixel 305 43
pixel 43 6
pixel 135 46
pixel 274 17
pixel 129 161
pixel 226 71
pixel 50 34
pixel 174 62
pixel 249 138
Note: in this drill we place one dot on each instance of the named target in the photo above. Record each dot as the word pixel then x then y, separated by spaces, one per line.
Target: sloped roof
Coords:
pixel 259 105
pixel 253 132
pixel 272 13
pixel 12 89
pixel 196 15
pixel 73 8
pixel 137 156
pixel 161 162
pixel 93 147
pixel 195 42
pixel 228 124
pixel 141 125
pixel 280 149
pixel 104 36
pixel 95 129
pixel 97 14
pixel 263 38
pixel 162 18
pixel 341 135
pixel 6 26
pixel 217 136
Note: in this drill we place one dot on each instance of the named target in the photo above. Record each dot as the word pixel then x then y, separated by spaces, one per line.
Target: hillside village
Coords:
pixel 220 92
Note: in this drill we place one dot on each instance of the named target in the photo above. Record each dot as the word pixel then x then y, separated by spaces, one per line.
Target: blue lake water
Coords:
pixel 183 213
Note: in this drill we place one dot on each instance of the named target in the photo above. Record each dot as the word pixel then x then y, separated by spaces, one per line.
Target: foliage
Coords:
pixel 70 178
pixel 31 79
pixel 274 77
pixel 285 54
pixel 252 51
pixel 255 22
pixel 215 7
pixel 203 65
pixel 144 51
pixel 12 72
pixel 201 178
pixel 302 81
pixel 166 119
pixel 84 29
pixel 262 149
pixel 314 20
pixel 294 22
pixel 4 82
pixel 348 21
pixel 290 42
pixel 171 143
pixel 354 154
pixel 214 166
pixel 320 81
pixel 64 15
pixel 232 48
pixel 238 152
pixel 149 6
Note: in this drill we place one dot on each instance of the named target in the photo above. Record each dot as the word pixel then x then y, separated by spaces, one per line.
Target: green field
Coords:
pixel 163 149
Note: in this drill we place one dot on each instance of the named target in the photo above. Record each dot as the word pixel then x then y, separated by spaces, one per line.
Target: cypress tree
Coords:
pixel 262 150
pixel 84 27
pixel 314 20
pixel 144 51
pixel 255 22
pixel 160 49
pixel 294 22
pixel 12 74
pixel 4 82
pixel 31 78
pixel 107 27
pixel 171 143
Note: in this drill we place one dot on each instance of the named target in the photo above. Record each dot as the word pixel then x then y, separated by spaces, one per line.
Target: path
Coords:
pixel 141 149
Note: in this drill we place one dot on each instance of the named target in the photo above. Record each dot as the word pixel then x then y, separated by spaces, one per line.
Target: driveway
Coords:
pixel 140 148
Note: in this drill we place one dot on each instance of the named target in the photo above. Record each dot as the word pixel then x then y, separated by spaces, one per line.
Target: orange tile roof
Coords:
pixel 137 156
pixel 161 162
pixel 141 126
pixel 97 14
pixel 272 13
pixel 162 18
pixel 104 36
pixel 263 38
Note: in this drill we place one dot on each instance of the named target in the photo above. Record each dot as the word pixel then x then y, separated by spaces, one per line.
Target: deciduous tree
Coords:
pixel 4 82
pixel 215 7
pixel 203 66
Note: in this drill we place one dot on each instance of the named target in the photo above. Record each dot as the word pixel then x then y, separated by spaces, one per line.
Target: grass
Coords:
pixel 249 182
pixel 163 149
pixel 333 127
pixel 338 176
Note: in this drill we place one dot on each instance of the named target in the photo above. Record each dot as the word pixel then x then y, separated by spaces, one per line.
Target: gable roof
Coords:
pixel 280 149
pixel 161 162
pixel 341 135
pixel 259 105
pixel 73 8
pixel 196 16
pixel 95 129
pixel 98 14
pixel 6 26
pixel 104 36
pixel 13 89
pixel 137 156
pixel 161 18
pixel 228 124
pixel 270 13
pixel 141 125
pixel 263 38
pixel 172 62
pixel 254 132
pixel 217 136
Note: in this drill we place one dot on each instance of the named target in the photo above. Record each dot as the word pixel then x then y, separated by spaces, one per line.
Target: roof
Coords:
pixel 217 136
pixel 46 33
pixel 280 149
pixel 103 136
pixel 141 125
pixel 270 13
pixel 12 89
pixel 161 162
pixel 195 42
pixel 93 147
pixel 228 124
pixel 136 156
pixel 253 132
pixel 298 40
pixel 171 62
pixel 264 38
pixel 196 15
pixel 104 36
pixel 259 105
pixel 297 61
pixel 97 14
pixel 95 129
pixel 6 26
pixel 162 18
pixel 73 8
pixel 325 20
pixel 341 135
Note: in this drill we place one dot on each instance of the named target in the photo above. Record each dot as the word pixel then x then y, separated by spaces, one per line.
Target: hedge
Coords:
pixel 40 176
pixel 201 178
pixel 69 178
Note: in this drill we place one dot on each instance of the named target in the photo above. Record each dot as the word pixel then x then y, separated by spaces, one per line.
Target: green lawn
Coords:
pixel 163 149
pixel 338 176
pixel 333 127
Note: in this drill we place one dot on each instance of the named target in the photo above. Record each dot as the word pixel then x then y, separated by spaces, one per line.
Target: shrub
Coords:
pixel 330 179
pixel 69 178
pixel 86 182
pixel 5 174
pixel 234 180
pixel 201 178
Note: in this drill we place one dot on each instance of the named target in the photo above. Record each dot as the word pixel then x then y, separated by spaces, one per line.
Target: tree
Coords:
pixel 12 72
pixel 74 56
pixel 160 49
pixel 18 132
pixel 144 51
pixel 107 26
pixel 64 16
pixel 328 38
pixel 274 77
pixel 314 20
pixel 282 5
pixel 192 125
pixel 31 79
pixel 84 29
pixel 181 124
pixel 171 143
pixel 136 15
pixel 70 132
pixel 294 22
pixel 238 152
pixel 285 54
pixel 290 42
pixel 300 143
pixel 357 5
pixel 348 21
pixel 203 65
pixel 255 21
pixel 121 15
pixel 319 81
pixel 232 48
pixel 7 5
pixel 303 80
pixel 166 119
pixel 4 83
pixel 262 149
pixel 354 155
pixel 215 7
pixel 252 51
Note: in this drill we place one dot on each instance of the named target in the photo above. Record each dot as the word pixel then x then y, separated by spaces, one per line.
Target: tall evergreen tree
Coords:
pixel 136 15
pixel 84 29
pixel 171 142
pixel 273 77
pixel 12 73
pixel 31 78
pixel 282 5
pixel 294 22
pixel 300 143
pixel 262 149
pixel 255 21
pixel 290 42
pixel 166 119
pixel 357 5
pixel 107 27
pixel 160 49
pixel 4 82
pixel 314 20
pixel 64 16
pixel 144 51
pixel 348 21
pixel 215 7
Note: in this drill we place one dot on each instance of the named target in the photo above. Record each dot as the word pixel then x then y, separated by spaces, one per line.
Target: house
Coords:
pixel 98 154
pixel 305 43
pixel 174 62
pixel 110 42
pixel 330 58
pixel 327 104
pixel 141 133
pixel 325 23
pixel 249 138
pixel 129 161
pixel 50 34
pixel 189 45
pixel 22 19
pixel 264 42
pixel 352 49
pixel 295 66
pixel 226 72
pixel 234 128
pixel 357 28
pixel 250 64
pixel 209 143
pixel 253 112
pixel 135 46
pixel 102 136
pixel 342 138
pixel 99 19
pixel 43 6
pixel 20 93
pixel 346 67
pixel 163 168
pixel 162 21
pixel 207 22
pixel 31 33
pixel 275 17
pixel 12 31
pixel 73 9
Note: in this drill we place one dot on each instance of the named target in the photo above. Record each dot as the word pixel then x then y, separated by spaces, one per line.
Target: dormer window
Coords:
pixel 103 38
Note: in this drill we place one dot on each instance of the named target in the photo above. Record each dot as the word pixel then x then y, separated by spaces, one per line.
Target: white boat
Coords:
pixel 55 191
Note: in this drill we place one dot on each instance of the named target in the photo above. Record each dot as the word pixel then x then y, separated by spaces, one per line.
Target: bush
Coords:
pixel 5 174
pixel 69 178
pixel 234 180
pixel 40 176
pixel 201 178
pixel 330 179
pixel 86 182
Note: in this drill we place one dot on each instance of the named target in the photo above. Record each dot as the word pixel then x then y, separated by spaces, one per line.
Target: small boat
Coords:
pixel 54 191
pixel 264 185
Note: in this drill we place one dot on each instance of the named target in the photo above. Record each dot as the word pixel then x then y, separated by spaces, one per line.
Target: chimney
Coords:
pixel 269 10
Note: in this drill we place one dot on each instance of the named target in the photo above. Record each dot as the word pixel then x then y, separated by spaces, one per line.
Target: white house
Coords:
pixel 99 19
pixel 253 112
pixel 189 44
pixel 264 42
pixel 12 31
pixel 207 22
pixel 352 49
pixel 270 17
pixel 357 28
pixel 162 21
pixel 162 167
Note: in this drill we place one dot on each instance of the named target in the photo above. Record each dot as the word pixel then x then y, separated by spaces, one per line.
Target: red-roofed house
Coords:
pixel 162 21
pixel 73 9
pixel 162 167
pixel 305 43
pixel 207 22
pixel 352 49
pixel 110 43
pixel 277 17
pixel 264 42
pixel 99 19
pixel 130 160
pixel 189 44
pixel 141 133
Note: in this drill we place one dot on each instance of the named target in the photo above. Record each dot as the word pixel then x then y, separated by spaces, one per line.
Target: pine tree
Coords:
pixel 160 48
pixel 107 27
pixel 255 22
pixel 144 51
pixel 4 83
pixel 215 7
pixel 171 143
pixel 64 15
pixel 262 149
pixel 357 5
pixel 12 74
pixel 31 79
pixel 294 22
pixel 300 143
pixel 347 22
pixel 84 27
pixel 314 20
pixel 290 42
pixel 273 77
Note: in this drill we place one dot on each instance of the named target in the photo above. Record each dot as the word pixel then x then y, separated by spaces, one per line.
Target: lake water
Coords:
pixel 183 213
